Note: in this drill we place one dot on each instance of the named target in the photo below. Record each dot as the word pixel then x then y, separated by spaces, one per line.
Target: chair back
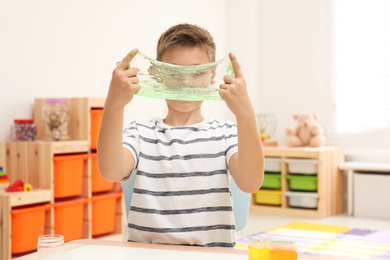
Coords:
pixel 241 201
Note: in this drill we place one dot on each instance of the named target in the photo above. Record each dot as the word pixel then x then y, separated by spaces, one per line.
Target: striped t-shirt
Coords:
pixel 182 192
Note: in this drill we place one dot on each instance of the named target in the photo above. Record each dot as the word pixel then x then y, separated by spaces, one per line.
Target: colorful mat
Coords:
pixel 332 240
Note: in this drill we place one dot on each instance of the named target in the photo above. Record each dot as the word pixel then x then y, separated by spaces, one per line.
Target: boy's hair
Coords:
pixel 186 35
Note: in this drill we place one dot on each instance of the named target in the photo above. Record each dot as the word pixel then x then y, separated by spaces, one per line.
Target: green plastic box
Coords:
pixel 302 182
pixel 272 181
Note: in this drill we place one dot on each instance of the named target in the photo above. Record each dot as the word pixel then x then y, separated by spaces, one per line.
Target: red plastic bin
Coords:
pixel 96 118
pixel 68 218
pixel 28 223
pixel 103 213
pixel 68 175
pixel 98 183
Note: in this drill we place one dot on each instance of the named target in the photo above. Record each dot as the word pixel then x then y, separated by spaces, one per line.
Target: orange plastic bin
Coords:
pixel 28 223
pixel 103 213
pixel 68 174
pixel 98 183
pixel 96 118
pixel 68 218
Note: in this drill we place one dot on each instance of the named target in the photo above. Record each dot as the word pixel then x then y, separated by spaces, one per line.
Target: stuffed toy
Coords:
pixel 308 132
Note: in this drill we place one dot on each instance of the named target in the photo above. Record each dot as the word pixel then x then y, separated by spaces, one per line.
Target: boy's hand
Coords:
pixel 124 82
pixel 234 90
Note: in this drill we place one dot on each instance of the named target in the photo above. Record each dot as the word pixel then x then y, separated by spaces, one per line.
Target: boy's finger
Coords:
pixel 236 65
pixel 125 63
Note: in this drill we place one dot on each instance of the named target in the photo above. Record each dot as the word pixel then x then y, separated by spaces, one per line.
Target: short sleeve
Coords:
pixel 231 140
pixel 130 141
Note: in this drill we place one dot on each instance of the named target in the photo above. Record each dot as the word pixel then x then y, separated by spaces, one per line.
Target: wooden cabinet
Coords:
pixel 34 163
pixel 329 182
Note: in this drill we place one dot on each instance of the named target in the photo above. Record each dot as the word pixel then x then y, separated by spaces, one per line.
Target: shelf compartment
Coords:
pixel 302 166
pixel 104 213
pixel 98 183
pixel 28 223
pixel 273 165
pixel 68 218
pixel 272 181
pixel 268 197
pixel 302 182
pixel 302 199
pixel 68 174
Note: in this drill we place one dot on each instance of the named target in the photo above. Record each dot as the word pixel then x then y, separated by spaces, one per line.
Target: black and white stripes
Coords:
pixel 181 193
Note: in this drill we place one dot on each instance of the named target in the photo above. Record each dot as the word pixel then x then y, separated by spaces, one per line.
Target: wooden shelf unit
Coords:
pixel 33 162
pixel 330 182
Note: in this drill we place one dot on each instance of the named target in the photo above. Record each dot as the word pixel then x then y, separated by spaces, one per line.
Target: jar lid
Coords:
pixel 283 245
pixel 56 100
pixel 23 121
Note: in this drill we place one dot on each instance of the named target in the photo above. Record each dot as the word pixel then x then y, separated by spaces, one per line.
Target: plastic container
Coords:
pixel 96 118
pixel 302 199
pixel 272 181
pixel 24 130
pixel 302 182
pixel 68 174
pixel 268 197
pixel 280 249
pixel 51 247
pixel 272 164
pixel 302 166
pixel 28 223
pixel 258 248
pixel 98 183
pixel 55 119
pixel 103 213
pixel 68 218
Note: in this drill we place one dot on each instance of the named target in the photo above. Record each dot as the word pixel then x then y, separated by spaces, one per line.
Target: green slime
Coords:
pixel 188 83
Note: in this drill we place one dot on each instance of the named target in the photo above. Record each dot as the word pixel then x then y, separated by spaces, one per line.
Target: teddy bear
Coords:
pixel 308 132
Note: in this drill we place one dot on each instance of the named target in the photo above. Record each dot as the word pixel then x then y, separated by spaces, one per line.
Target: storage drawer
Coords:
pixel 28 223
pixel 272 164
pixel 103 213
pixel 302 182
pixel 272 181
pixel 302 199
pixel 371 195
pixel 268 197
pixel 302 166
pixel 68 174
pixel 69 217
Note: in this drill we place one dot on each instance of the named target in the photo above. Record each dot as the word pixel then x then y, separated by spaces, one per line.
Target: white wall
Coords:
pixel 69 48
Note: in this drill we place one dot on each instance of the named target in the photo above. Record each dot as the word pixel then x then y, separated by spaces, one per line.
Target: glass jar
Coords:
pixel 23 130
pixel 51 247
pixel 281 249
pixel 55 119
pixel 258 248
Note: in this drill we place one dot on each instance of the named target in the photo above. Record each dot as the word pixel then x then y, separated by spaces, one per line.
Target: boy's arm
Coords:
pixel 116 162
pixel 246 166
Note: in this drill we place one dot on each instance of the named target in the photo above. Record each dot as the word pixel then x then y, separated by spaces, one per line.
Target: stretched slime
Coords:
pixel 187 83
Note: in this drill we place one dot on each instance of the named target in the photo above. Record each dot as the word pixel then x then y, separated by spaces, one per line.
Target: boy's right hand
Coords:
pixel 124 82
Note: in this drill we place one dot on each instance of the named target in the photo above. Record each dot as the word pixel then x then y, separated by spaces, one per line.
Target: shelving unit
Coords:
pixel 33 162
pixel 330 182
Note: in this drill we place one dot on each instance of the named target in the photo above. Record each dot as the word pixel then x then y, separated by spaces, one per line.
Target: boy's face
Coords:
pixel 185 56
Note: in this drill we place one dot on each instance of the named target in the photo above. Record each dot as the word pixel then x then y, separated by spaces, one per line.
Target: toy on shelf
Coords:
pixel 308 132
pixel 267 127
pixel 4 182
pixel 19 185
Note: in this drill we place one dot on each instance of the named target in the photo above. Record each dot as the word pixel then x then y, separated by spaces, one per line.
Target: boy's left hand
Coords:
pixel 234 90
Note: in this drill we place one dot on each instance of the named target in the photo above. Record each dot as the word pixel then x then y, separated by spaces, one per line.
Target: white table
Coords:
pixel 352 168
pixel 96 249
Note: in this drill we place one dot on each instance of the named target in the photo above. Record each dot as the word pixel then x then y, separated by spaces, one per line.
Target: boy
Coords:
pixel 181 193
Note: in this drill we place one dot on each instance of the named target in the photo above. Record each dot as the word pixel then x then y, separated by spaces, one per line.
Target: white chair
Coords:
pixel 241 201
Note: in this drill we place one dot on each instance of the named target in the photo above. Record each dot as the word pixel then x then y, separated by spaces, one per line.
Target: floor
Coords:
pixel 259 222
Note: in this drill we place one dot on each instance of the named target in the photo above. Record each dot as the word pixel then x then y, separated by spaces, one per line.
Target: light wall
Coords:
pixel 69 49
